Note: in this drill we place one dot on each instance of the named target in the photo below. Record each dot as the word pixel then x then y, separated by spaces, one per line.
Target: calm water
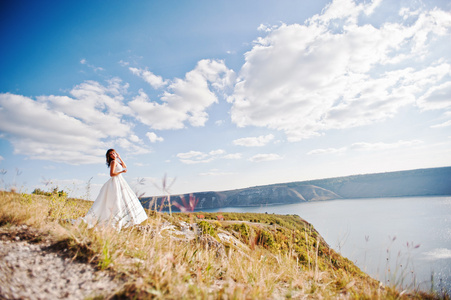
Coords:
pixel 398 240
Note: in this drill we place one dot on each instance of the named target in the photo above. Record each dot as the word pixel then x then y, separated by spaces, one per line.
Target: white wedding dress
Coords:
pixel 116 205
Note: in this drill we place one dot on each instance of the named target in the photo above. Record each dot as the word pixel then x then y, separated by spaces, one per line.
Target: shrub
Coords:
pixel 206 228
pixel 265 239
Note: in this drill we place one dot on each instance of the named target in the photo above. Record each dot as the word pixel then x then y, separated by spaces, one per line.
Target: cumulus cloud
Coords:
pixel 135 139
pixel 437 97
pixel 149 77
pixel 216 152
pixel 441 125
pixel 40 133
pixel 100 107
pixel 185 100
pixel 335 71
pixel 73 129
pixel 131 147
pixel 153 137
pixel 254 141
pixel 196 157
pixel 265 157
pixel 363 146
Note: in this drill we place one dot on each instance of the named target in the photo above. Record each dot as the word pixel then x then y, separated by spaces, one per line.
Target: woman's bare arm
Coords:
pixel 121 161
pixel 112 167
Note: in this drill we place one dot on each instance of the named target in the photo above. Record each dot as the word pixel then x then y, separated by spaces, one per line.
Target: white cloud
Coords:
pixel 215 172
pixel 254 141
pixel 384 146
pixel 327 151
pixel 334 72
pixel 1 158
pixel 152 79
pixel 196 157
pixel 131 147
pixel 345 10
pixel 153 137
pixel 265 157
pixel 40 133
pixel 233 156
pixel 437 97
pixel 363 146
pixel 135 139
pixel 85 62
pixel 441 125
pixel 124 63
pixel 191 154
pixel 186 100
pixel 100 107
pixel 216 152
pixel 74 129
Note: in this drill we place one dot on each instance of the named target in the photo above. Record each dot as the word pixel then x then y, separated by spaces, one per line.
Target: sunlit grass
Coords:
pixel 247 256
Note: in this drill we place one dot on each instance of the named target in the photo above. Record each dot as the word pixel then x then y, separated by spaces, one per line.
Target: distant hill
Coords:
pixel 420 182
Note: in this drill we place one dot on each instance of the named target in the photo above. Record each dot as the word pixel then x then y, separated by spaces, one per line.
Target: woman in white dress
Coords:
pixel 116 205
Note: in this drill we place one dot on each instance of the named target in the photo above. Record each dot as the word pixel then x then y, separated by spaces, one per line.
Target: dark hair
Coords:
pixel 108 158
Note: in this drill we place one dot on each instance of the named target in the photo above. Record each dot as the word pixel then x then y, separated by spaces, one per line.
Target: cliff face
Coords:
pixel 422 182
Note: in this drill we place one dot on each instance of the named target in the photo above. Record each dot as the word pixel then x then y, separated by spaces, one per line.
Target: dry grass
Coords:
pixel 156 261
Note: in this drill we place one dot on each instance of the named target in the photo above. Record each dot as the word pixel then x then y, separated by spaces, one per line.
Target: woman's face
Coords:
pixel 113 154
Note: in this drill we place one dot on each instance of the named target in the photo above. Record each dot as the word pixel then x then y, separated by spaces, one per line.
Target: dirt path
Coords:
pixel 35 271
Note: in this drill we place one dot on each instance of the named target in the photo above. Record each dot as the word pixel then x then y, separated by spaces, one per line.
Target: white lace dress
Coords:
pixel 116 205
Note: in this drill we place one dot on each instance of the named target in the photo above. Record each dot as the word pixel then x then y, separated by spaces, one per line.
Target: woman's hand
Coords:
pixel 121 161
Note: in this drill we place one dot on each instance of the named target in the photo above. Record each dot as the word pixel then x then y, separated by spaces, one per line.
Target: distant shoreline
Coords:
pixel 414 183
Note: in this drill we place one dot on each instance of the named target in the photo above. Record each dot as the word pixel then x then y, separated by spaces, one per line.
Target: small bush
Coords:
pixel 265 239
pixel 206 228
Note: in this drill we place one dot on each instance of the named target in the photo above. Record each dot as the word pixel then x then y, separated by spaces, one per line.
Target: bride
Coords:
pixel 116 204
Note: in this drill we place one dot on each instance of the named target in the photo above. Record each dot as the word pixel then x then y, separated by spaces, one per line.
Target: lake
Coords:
pixel 405 241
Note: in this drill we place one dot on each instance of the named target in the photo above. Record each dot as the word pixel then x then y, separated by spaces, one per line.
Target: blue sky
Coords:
pixel 221 95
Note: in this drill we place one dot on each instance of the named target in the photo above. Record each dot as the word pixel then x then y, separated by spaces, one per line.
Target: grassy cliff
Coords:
pixel 198 255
